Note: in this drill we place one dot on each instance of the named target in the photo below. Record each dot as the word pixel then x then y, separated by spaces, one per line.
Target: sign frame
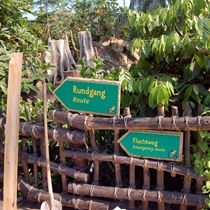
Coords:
pixel 117 83
pixel 179 158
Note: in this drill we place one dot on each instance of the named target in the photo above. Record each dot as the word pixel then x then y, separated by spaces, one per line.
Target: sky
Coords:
pixel 120 2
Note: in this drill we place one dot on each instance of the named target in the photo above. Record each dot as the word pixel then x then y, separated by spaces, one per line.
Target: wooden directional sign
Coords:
pixel 154 145
pixel 90 96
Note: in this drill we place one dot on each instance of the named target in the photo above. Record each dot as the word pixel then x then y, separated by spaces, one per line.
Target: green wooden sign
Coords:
pixel 154 145
pixel 90 96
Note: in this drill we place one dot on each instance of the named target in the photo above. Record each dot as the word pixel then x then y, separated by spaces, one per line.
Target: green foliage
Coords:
pixel 201 158
pixel 15 36
pixel 100 17
pixel 174 41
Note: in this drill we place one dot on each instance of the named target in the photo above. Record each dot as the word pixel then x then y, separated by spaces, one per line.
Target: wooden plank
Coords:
pixel 12 133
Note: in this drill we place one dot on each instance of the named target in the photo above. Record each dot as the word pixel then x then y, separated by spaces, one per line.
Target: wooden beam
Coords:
pixel 12 132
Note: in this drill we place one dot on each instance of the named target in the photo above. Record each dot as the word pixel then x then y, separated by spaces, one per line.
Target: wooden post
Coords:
pixel 12 132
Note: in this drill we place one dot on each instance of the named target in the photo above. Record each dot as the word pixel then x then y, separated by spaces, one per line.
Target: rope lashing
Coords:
pixel 129 193
pixel 114 121
pixel 160 122
pixel 23 128
pixel 92 190
pixel 174 122
pixel 115 193
pixel 187 121
pixel 90 205
pixel 199 121
pixel 144 195
pixel 33 132
pixel 125 119
pixel 159 196
pixel 85 123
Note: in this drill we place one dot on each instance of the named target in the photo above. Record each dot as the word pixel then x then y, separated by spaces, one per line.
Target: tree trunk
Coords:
pixel 86 47
pixel 59 55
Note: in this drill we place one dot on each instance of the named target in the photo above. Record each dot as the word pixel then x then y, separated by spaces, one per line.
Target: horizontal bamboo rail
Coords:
pixel 34 194
pixel 148 123
pixel 134 194
pixel 28 129
pixel 59 168
pixel 169 167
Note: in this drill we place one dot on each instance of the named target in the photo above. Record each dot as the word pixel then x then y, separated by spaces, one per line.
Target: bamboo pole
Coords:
pixel 137 194
pixel 169 167
pixel 12 133
pixel 28 129
pixel 146 123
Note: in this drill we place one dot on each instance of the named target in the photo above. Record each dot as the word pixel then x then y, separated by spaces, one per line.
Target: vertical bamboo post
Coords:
pixel 62 157
pixel 117 166
pixel 42 149
pixel 132 183
pixel 28 116
pixel 95 162
pixel 199 183
pixel 146 184
pixel 12 132
pixel 160 172
pixel 24 162
pixel 187 179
